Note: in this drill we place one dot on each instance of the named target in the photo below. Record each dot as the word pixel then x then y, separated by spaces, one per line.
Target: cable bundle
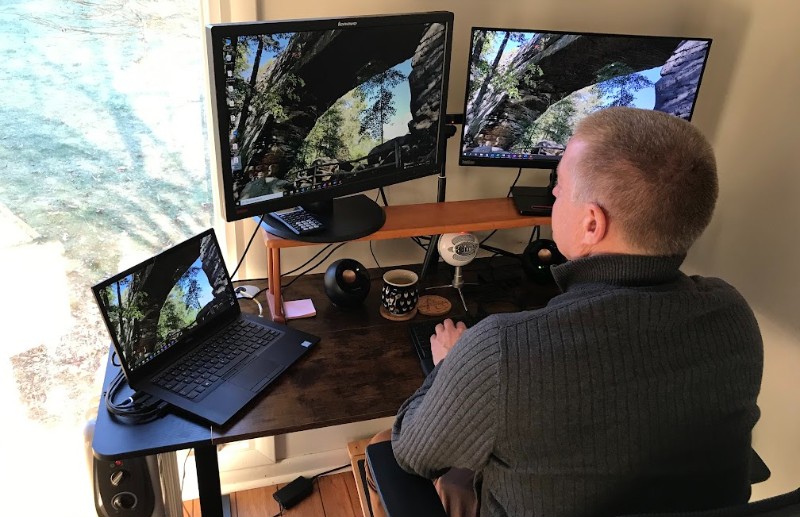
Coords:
pixel 138 408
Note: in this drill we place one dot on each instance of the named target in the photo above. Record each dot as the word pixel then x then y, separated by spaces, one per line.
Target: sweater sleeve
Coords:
pixel 451 421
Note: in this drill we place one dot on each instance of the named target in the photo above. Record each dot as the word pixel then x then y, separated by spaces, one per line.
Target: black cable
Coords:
pixel 514 183
pixel 375 259
pixel 293 280
pixel 535 233
pixel 383 196
pixel 480 244
pixel 499 251
pixel 329 471
pixel 416 240
pixel 138 408
pixel 304 264
pixel 246 248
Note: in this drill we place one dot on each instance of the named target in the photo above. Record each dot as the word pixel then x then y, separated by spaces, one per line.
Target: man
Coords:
pixel 632 391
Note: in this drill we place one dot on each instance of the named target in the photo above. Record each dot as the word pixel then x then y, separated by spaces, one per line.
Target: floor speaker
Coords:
pixel 129 487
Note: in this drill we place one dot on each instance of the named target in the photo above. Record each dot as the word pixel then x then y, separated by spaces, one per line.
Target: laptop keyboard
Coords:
pixel 199 372
pixel 421 332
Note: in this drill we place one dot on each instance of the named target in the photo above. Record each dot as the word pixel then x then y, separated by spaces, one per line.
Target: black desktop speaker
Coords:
pixel 537 258
pixel 346 283
pixel 129 487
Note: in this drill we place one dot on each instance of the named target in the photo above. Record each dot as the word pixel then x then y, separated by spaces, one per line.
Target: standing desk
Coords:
pixel 362 369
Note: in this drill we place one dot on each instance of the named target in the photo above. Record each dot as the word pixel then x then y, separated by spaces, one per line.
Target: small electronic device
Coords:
pixel 294 492
pixel 533 200
pixel 299 220
pixel 527 89
pixel 308 112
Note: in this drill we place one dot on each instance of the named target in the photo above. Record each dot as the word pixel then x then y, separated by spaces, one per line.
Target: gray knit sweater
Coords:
pixel 634 390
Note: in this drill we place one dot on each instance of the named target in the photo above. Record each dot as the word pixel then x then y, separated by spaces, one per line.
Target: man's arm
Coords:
pixel 451 421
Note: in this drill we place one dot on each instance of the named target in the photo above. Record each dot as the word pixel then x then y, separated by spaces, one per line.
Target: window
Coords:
pixel 104 160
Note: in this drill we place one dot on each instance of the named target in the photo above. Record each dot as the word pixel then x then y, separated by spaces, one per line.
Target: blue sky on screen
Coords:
pixel 644 98
pixel 396 126
pixel 204 295
pixel 204 292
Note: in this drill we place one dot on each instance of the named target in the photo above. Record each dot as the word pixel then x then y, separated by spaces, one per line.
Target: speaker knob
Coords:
pixel 124 501
pixel 118 477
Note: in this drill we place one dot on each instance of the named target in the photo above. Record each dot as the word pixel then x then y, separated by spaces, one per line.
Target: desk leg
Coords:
pixel 211 500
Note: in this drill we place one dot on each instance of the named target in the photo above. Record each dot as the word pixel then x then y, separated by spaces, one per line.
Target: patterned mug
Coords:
pixel 399 295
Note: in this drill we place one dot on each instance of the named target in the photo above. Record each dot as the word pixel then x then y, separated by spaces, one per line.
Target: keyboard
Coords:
pixel 201 371
pixel 421 332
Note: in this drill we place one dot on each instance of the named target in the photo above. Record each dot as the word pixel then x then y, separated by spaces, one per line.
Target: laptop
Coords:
pixel 180 336
pixel 533 200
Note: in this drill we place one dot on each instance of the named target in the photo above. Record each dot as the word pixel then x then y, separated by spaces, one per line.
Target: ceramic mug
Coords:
pixel 399 295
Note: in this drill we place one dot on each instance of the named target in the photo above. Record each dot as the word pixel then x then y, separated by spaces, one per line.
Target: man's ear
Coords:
pixel 595 225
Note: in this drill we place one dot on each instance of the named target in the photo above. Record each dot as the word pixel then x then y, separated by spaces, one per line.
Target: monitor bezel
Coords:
pixel 215 34
pixel 550 162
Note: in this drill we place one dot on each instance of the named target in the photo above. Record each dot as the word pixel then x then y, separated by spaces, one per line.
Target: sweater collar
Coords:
pixel 620 270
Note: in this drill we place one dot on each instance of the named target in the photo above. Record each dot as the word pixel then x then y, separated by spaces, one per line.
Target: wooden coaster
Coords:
pixel 433 305
pixel 397 317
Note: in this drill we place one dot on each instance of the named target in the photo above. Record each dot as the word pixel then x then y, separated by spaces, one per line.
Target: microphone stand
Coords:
pixel 432 253
pixel 458 283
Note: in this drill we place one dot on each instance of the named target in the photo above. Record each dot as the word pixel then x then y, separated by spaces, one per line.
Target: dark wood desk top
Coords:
pixel 363 368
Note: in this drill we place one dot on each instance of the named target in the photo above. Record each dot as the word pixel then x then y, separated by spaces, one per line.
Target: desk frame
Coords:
pixel 410 221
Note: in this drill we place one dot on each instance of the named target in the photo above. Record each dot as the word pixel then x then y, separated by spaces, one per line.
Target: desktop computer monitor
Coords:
pixel 527 89
pixel 309 112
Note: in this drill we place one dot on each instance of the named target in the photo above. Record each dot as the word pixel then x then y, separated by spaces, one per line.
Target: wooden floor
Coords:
pixel 334 496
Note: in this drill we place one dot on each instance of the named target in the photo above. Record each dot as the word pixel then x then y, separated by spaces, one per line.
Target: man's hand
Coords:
pixel 447 333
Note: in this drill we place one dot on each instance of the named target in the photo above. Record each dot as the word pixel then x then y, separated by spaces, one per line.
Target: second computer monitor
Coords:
pixel 527 89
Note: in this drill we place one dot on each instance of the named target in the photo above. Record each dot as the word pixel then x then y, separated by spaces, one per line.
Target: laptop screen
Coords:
pixel 155 306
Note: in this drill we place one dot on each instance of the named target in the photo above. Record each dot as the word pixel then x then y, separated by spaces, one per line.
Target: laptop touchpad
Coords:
pixel 256 375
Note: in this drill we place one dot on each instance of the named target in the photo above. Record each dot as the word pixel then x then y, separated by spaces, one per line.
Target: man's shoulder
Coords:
pixel 713 286
pixel 708 283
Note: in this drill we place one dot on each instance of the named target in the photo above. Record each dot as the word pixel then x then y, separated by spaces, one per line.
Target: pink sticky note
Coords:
pixel 296 309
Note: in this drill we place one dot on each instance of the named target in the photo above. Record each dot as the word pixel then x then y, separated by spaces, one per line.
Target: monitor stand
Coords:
pixel 344 218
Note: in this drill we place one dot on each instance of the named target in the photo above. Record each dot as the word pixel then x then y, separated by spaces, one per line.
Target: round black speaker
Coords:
pixel 537 259
pixel 346 283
